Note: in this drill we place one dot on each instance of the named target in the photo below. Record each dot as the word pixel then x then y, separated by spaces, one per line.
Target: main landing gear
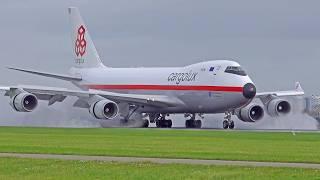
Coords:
pixel 192 122
pixel 145 123
pixel 162 122
pixel 134 118
pixel 228 123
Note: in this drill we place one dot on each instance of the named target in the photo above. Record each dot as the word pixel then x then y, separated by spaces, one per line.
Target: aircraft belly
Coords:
pixel 197 101
pixel 212 102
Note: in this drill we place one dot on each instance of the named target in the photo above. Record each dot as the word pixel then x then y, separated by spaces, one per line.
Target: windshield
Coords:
pixel 235 70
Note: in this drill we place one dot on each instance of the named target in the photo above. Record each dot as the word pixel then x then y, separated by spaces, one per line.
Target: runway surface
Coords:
pixel 242 130
pixel 161 160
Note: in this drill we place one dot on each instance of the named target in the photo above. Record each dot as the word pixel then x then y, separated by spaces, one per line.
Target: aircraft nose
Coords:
pixel 249 90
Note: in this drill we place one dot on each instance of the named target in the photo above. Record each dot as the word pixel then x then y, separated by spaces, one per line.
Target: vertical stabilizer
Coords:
pixel 85 54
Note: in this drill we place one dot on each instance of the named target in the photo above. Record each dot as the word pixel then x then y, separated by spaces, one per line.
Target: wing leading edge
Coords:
pixel 53 95
pixel 51 75
pixel 298 91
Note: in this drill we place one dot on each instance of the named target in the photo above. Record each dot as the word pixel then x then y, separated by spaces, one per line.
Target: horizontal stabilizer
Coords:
pixel 51 75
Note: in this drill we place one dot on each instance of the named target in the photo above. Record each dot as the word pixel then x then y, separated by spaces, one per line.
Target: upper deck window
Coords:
pixel 235 70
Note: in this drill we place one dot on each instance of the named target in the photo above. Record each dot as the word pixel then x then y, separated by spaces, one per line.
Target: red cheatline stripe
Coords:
pixel 167 87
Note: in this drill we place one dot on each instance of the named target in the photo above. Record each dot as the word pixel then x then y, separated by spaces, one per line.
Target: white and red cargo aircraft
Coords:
pixel 219 86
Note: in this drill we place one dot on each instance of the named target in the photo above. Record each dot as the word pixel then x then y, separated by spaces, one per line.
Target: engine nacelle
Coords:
pixel 104 109
pixel 277 107
pixel 24 102
pixel 250 113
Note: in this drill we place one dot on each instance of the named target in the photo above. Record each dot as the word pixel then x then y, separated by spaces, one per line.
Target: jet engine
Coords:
pixel 24 102
pixel 104 109
pixel 277 107
pixel 250 113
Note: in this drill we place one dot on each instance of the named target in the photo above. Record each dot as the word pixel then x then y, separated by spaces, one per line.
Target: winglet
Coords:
pixel 298 87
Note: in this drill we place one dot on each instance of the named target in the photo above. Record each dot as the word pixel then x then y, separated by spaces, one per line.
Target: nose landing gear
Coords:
pixel 228 123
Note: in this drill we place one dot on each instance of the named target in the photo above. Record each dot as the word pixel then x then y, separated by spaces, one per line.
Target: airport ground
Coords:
pixel 21 168
pixel 297 147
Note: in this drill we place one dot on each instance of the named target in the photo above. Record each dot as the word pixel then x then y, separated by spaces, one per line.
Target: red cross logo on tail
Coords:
pixel 81 43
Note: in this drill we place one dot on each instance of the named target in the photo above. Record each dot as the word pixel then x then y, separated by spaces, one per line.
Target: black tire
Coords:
pixel 169 123
pixel 187 123
pixel 145 123
pixel 164 123
pixel 158 124
pixel 231 125
pixel 225 124
pixel 198 124
pixel 190 123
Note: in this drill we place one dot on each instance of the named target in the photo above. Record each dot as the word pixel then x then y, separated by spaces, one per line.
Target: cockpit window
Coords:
pixel 235 70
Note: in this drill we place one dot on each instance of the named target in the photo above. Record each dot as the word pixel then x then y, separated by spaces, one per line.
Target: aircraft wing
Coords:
pixel 298 91
pixel 4 88
pixel 54 95
pixel 51 75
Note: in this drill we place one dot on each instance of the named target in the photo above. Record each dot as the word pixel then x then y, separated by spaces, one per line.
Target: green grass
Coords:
pixel 15 168
pixel 200 144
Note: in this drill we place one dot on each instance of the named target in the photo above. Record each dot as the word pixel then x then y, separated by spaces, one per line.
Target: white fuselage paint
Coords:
pixel 201 90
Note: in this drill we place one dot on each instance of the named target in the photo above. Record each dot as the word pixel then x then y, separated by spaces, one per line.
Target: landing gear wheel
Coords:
pixel 198 124
pixel 193 124
pixel 231 124
pixel 169 123
pixel 158 123
pixel 225 124
pixel 164 123
pixel 145 123
pixel 189 123
pixel 228 123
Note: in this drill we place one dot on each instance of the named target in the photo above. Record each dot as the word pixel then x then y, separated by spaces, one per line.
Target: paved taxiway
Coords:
pixel 161 160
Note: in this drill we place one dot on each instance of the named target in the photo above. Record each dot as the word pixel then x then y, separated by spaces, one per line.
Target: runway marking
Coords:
pixel 162 160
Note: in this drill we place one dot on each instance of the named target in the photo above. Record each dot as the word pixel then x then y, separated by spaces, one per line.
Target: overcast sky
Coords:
pixel 277 41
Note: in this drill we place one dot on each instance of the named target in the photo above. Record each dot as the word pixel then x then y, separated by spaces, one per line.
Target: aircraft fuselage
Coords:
pixel 202 87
